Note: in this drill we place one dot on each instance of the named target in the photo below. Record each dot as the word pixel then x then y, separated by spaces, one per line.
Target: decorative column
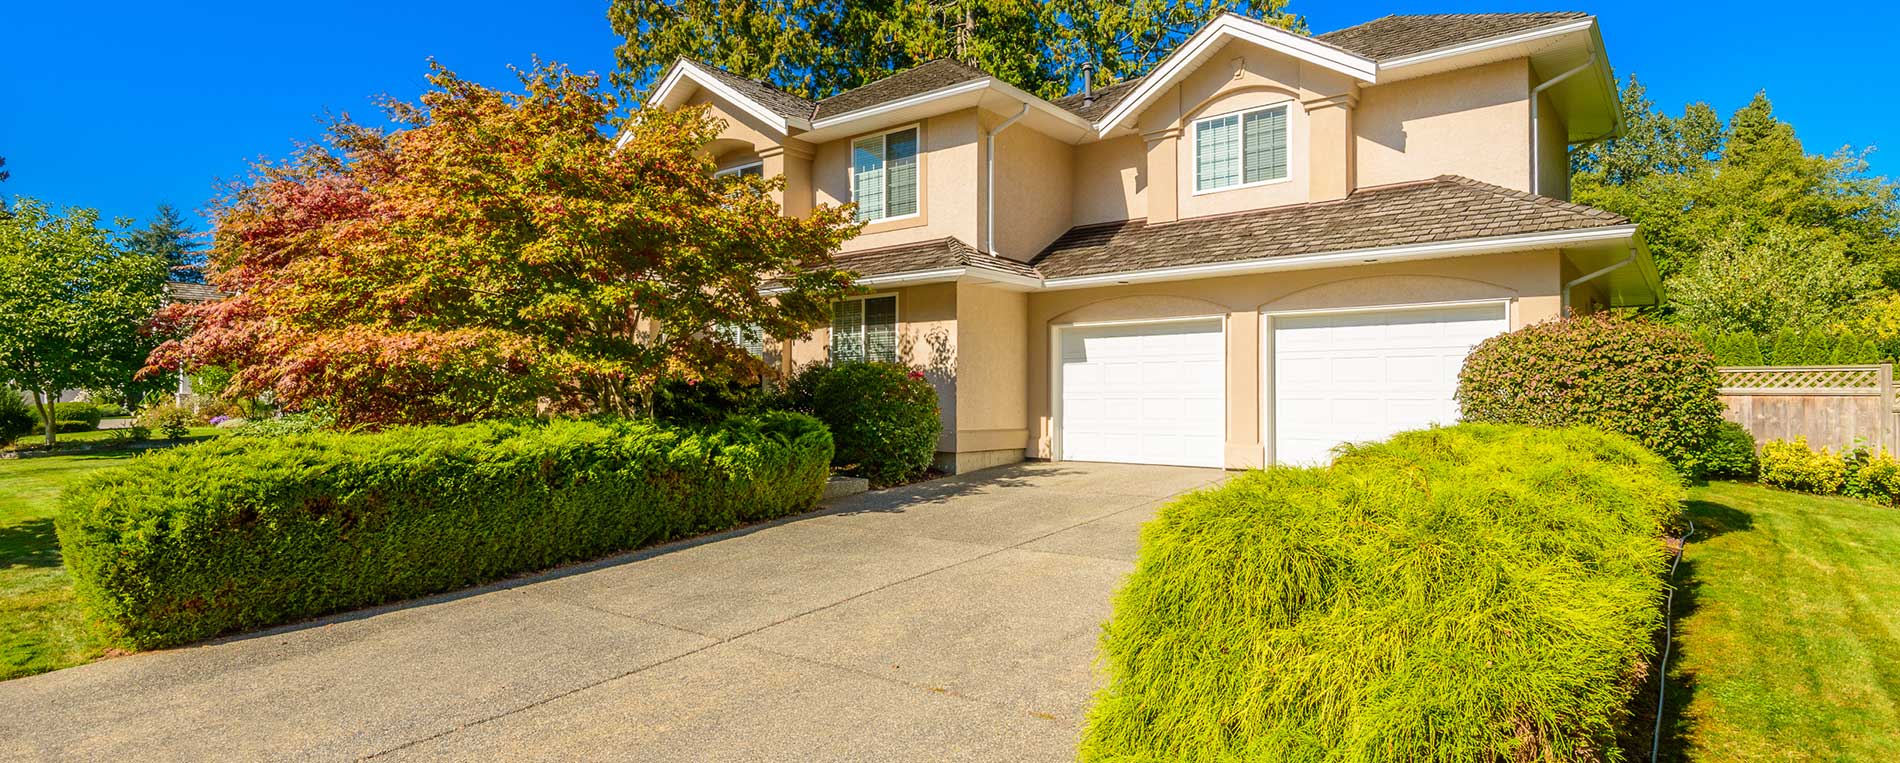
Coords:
pixel 1332 165
pixel 793 160
pixel 1163 174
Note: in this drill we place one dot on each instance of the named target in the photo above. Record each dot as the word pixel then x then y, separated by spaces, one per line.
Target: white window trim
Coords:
pixel 897 323
pixel 851 172
pixel 736 169
pixel 1194 154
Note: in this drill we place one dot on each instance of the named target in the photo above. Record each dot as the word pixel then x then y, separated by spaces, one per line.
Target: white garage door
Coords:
pixel 1353 377
pixel 1145 394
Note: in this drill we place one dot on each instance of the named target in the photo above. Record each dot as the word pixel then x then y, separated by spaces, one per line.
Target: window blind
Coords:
pixel 1265 144
pixel 1217 152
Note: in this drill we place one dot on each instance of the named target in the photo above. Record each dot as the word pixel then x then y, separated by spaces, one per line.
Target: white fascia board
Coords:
pixel 1479 46
pixel 913 277
pixel 1222 29
pixel 903 103
pixel 1461 248
pixel 687 70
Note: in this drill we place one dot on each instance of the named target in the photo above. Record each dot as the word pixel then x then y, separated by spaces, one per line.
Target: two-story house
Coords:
pixel 1267 245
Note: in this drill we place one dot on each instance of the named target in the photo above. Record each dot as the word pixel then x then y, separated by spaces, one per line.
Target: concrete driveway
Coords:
pixel 951 620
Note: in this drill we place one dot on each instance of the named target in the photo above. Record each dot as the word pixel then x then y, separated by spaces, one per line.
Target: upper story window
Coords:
pixel 884 175
pixel 753 170
pixel 1240 149
pixel 864 329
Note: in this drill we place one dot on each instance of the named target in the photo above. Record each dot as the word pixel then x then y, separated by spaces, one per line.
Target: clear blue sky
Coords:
pixel 123 105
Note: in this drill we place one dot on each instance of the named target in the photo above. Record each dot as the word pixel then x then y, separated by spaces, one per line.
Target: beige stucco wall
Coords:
pixel 992 381
pixel 926 340
pixel 1530 280
pixel 1034 187
pixel 1553 151
pixel 1473 122
pixel 951 169
pixel 1111 180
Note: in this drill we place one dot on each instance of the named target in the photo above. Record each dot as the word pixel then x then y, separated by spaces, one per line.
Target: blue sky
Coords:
pixel 123 105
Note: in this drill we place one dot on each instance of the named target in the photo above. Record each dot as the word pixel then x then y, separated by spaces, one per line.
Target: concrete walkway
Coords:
pixel 951 620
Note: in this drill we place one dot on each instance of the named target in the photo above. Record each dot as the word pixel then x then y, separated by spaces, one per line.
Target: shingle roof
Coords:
pixel 916 80
pixel 192 292
pixel 948 252
pixel 1397 36
pixel 1446 208
pixel 1105 99
pixel 778 101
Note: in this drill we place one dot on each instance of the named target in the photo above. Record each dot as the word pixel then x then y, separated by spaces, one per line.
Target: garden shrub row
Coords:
pixel 239 533
pixel 1478 592
pixel 1857 473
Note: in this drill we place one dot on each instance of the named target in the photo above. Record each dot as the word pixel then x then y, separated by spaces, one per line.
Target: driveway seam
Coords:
pixel 814 610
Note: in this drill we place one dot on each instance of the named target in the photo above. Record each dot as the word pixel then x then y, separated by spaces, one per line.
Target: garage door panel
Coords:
pixel 1359 376
pixel 1150 393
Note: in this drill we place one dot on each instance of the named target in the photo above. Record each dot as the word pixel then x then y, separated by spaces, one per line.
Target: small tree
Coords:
pixel 72 306
pixel 499 251
pixel 169 237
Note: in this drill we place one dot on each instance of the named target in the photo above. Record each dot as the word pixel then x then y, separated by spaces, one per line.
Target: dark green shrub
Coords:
pixel 16 419
pixel 236 533
pixel 76 416
pixel 680 402
pixel 1620 374
pixel 1731 454
pixel 1474 593
pixel 883 417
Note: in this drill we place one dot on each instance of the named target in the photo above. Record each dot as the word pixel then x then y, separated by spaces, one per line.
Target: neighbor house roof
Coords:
pixel 1399 36
pixel 192 292
pixel 1445 208
pixel 936 254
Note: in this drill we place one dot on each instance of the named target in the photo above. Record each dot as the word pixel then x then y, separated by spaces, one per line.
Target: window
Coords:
pixel 864 329
pixel 884 175
pixel 1243 149
pixel 749 337
pixel 753 170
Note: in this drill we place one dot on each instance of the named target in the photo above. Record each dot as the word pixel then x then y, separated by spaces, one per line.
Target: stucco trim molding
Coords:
pixel 1398 289
pixel 1141 307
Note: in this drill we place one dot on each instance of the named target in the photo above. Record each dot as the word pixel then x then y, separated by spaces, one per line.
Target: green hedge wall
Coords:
pixel 239 533
pixel 1473 593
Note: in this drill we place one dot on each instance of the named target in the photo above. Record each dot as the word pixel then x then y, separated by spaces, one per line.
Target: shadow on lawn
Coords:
pixel 29 544
pixel 1711 519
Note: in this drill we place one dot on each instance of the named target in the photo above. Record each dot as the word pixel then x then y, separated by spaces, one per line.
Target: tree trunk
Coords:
pixel 46 417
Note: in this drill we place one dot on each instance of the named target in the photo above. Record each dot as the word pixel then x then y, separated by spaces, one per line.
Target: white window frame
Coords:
pixel 735 333
pixel 897 322
pixel 1194 154
pixel 736 169
pixel 851 172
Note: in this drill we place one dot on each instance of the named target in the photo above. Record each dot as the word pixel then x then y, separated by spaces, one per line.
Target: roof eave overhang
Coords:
pixel 1387 254
pixel 1229 27
pixel 1552 49
pixel 685 74
pixel 941 100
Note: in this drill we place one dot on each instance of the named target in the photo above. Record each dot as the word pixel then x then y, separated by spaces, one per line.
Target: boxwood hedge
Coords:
pixel 1474 593
pixel 240 533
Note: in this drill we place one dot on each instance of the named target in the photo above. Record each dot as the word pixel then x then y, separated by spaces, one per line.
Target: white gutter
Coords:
pixel 1406 253
pixel 1595 274
pixel 1536 160
pixel 989 169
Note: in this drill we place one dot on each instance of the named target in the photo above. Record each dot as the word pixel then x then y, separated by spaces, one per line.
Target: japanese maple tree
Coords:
pixel 498 252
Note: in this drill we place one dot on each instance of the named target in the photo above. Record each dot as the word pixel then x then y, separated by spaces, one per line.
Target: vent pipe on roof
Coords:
pixel 1088 83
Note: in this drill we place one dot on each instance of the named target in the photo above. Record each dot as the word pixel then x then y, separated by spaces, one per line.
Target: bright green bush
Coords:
pixel 1630 375
pixel 1793 466
pixel 1871 475
pixel 1731 454
pixel 289 424
pixel 1473 593
pixel 883 417
pixel 16 420
pixel 236 533
pixel 82 415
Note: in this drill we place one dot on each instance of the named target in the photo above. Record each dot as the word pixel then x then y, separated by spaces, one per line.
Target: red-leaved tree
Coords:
pixel 496 253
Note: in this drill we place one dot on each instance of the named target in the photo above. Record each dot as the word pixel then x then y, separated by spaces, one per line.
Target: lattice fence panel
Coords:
pixel 1862 379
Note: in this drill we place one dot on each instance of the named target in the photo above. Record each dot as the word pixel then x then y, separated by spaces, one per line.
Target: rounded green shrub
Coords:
pixel 883 417
pixel 169 418
pixel 1792 465
pixel 16 419
pixel 1630 375
pixel 1731 454
pixel 1873 475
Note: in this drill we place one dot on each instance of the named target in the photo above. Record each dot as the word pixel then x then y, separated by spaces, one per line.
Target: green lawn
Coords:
pixel 40 625
pixel 104 435
pixel 1788 630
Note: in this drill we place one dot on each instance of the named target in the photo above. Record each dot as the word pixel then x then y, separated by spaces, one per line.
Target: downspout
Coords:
pixel 989 162
pixel 1598 273
pixel 1536 164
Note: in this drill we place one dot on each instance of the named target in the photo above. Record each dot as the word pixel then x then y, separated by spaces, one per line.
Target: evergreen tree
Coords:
pixel 168 236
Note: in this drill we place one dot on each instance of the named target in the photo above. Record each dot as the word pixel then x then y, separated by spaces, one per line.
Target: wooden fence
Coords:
pixel 1837 407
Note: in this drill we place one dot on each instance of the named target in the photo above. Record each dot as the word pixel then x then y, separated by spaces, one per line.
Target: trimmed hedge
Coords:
pixel 1472 593
pixel 1621 374
pixel 76 416
pixel 239 533
pixel 883 417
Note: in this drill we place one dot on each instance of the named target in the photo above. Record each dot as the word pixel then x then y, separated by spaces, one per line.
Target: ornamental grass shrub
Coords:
pixel 1473 593
pixel 238 533
pixel 883 417
pixel 1635 376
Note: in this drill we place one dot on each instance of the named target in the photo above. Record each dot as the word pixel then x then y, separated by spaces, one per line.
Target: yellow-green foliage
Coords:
pixel 1473 593
pixel 1793 466
pixel 1873 476
pixel 244 532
